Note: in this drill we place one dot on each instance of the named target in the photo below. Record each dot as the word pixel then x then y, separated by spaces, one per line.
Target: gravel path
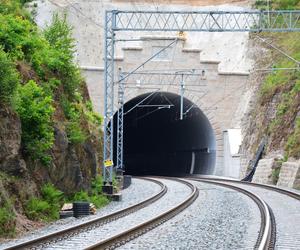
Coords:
pixel 138 191
pixel 287 215
pixel 176 193
pixel 218 219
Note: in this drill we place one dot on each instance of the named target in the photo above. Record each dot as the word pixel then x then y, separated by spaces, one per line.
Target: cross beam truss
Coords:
pixel 193 21
pixel 211 21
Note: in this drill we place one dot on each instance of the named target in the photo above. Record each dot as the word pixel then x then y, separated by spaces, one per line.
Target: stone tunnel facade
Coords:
pixel 218 95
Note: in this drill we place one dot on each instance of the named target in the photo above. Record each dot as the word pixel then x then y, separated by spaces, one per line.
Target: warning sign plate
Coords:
pixel 108 163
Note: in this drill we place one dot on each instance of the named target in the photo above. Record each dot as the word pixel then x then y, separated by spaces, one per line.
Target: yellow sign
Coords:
pixel 108 163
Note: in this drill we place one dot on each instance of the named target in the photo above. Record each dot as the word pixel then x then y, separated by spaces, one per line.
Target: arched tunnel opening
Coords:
pixel 158 142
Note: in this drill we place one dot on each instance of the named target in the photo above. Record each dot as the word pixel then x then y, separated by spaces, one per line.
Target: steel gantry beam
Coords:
pixel 190 21
pixel 211 21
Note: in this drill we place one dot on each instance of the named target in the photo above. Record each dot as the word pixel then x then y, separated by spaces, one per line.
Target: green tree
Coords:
pixel 35 109
pixel 9 78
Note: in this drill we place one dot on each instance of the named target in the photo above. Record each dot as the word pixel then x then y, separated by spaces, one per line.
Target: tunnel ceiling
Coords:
pixel 157 142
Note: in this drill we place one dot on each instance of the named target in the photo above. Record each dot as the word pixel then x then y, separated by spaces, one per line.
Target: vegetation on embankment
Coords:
pixel 50 137
pixel 276 113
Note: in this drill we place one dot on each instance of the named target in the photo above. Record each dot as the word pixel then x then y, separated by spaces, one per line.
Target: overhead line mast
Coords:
pixel 178 21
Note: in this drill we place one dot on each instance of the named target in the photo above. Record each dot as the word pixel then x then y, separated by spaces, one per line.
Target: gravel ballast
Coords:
pixel 220 218
pixel 138 191
pixel 287 215
pixel 176 193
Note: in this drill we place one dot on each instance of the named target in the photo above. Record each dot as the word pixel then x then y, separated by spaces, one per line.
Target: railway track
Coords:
pixel 267 230
pixel 267 233
pixel 283 205
pixel 50 241
pixel 55 237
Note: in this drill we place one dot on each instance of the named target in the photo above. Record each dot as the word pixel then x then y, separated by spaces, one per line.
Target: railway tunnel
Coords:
pixel 158 142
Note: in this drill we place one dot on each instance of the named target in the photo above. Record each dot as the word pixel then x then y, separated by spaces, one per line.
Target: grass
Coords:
pixel 45 208
pixel 7 220
pixel 282 88
pixel 95 196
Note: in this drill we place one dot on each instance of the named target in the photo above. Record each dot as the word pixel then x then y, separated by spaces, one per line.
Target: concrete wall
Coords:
pixel 232 141
pixel 290 175
pixel 263 173
pixel 218 94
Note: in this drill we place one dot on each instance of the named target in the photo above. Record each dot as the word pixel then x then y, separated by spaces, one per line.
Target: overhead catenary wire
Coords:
pixel 279 50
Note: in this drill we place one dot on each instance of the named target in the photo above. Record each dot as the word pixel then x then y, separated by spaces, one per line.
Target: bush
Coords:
pixel 9 78
pixel 91 115
pixel 59 35
pixel 52 194
pixel 37 209
pixel 293 143
pixel 7 221
pixel 278 4
pixel 45 208
pixel 35 110
pixel 286 4
pixel 73 112
pixel 14 7
pixel 96 196
pixel 99 200
pixel 75 133
pixel 19 37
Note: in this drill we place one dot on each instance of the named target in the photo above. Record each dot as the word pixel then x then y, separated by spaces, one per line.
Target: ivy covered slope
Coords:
pixel 276 113
pixel 49 135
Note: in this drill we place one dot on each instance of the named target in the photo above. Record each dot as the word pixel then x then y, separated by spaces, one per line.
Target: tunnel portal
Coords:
pixel 157 142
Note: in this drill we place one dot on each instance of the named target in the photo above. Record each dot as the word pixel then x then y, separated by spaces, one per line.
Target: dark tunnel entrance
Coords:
pixel 157 142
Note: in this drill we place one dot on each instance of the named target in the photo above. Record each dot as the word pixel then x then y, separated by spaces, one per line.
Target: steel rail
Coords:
pixel 91 224
pixel 265 186
pixel 132 233
pixel 267 230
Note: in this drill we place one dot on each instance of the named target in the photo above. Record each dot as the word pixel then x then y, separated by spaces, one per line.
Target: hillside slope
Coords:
pixel 50 138
pixel 275 113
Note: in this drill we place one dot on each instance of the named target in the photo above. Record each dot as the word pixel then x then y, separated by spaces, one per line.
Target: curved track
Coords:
pixel 132 233
pixel 267 228
pixel 74 235
pixel 91 224
pixel 283 208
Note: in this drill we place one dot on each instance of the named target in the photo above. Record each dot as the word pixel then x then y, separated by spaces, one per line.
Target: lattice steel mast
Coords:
pixel 190 21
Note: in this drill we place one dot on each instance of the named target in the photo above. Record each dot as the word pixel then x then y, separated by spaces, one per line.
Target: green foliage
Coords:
pixel 14 7
pixel 73 112
pixel 37 209
pixel 285 4
pixel 7 220
pixel 278 4
pixel 59 35
pixel 91 115
pixel 19 37
pixel 9 78
pixel 99 200
pixel 275 175
pixel 47 207
pixel 96 196
pixel 293 143
pixel 51 194
pixel 35 110
pixel 75 133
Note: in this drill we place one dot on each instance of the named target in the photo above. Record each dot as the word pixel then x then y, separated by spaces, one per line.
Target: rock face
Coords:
pixel 10 142
pixel 290 175
pixel 72 168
